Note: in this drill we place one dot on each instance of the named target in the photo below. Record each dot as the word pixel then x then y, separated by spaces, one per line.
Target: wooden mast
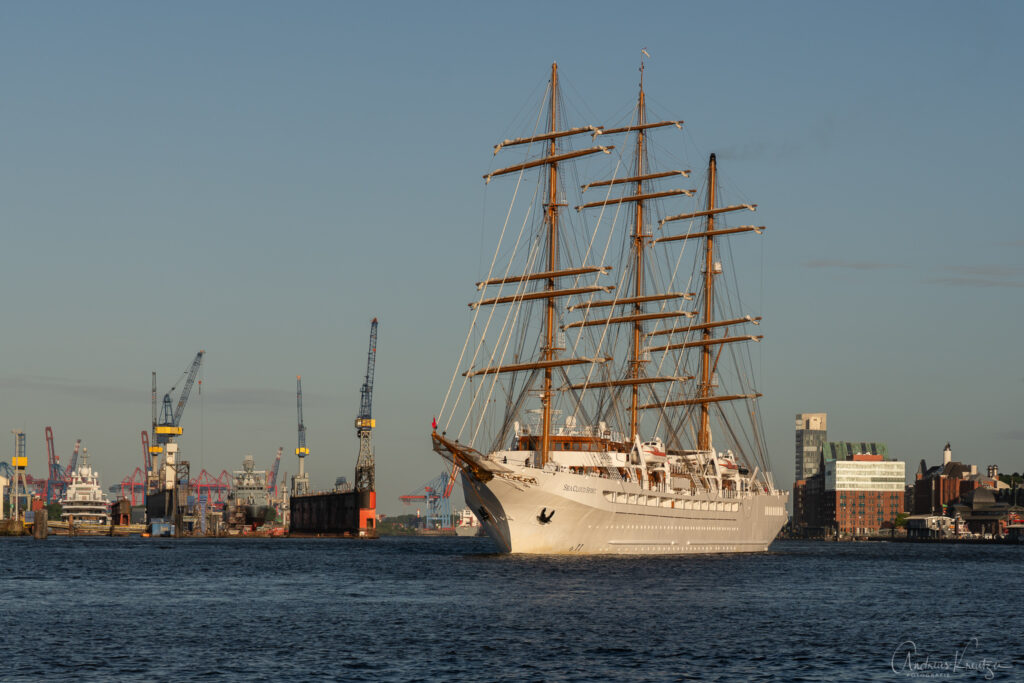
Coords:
pixel 704 436
pixel 552 216
pixel 638 248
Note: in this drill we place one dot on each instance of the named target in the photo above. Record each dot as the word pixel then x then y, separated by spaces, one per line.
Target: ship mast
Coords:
pixel 707 339
pixel 704 435
pixel 549 357
pixel 552 220
pixel 638 250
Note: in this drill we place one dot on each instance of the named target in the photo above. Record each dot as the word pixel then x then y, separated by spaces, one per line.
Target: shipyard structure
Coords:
pixel 162 498
pixel 167 475
pixel 349 510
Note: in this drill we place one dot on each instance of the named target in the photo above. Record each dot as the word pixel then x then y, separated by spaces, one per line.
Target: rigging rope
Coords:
pixel 490 271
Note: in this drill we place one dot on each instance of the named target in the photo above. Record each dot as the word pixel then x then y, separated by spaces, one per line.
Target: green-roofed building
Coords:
pixel 857 490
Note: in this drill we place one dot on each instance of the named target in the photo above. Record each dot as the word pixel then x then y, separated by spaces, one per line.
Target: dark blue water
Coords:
pixel 423 609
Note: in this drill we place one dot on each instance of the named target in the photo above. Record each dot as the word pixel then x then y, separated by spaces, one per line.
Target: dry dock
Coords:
pixel 349 514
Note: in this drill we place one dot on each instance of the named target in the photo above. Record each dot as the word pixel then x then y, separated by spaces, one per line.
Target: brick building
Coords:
pixel 935 488
pixel 856 491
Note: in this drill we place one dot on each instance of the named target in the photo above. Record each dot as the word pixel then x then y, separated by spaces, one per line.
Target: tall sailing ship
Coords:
pixel 603 401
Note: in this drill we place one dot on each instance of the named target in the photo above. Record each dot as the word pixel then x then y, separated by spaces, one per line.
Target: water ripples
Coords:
pixel 424 609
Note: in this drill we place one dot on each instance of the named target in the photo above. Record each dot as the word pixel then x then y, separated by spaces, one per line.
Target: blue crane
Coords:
pixel 170 418
pixel 439 512
pixel 169 425
pixel 364 422
pixel 272 479
pixel 56 482
pixel 301 449
pixel 73 463
pixel 300 482
pixel 366 392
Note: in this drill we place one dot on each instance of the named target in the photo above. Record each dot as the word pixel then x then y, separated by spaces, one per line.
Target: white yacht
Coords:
pixel 85 504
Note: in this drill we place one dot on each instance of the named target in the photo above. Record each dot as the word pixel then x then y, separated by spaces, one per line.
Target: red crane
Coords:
pixel 133 487
pixel 451 481
pixel 212 489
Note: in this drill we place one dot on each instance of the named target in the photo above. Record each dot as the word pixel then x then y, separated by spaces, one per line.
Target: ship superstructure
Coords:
pixel 248 501
pixel 84 504
pixel 605 403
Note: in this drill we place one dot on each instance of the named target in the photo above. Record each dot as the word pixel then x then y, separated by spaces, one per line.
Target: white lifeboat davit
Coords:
pixel 727 461
pixel 654 450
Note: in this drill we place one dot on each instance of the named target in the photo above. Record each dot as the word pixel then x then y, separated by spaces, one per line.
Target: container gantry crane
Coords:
pixel 365 468
pixel 132 487
pixel 300 482
pixel 435 495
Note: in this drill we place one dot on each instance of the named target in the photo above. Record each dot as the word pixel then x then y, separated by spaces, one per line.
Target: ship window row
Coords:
pixel 657 501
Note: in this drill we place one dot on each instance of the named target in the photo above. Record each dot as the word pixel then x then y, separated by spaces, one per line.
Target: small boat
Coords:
pixel 466 523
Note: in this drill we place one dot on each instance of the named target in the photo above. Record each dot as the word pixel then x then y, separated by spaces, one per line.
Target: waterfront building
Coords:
pixel 801 512
pixel 808 510
pixel 857 490
pixel 923 527
pixel 935 488
pixel 811 433
pixel 862 492
pixel 983 513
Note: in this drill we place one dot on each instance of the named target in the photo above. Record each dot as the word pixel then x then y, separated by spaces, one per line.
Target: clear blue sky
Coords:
pixel 259 180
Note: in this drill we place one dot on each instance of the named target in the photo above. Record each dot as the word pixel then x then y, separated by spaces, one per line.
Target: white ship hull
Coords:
pixel 592 515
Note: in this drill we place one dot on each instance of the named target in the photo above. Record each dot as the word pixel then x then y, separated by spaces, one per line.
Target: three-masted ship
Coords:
pixel 604 400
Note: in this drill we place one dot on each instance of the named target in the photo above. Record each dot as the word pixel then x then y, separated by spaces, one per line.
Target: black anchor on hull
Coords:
pixel 545 518
pixel 483 514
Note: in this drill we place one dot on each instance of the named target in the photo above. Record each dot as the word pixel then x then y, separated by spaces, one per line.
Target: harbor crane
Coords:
pixel 272 479
pixel 365 423
pixel 57 482
pixel 169 426
pixel 73 464
pixel 18 482
pixel 147 457
pixel 300 482
pixel 435 495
